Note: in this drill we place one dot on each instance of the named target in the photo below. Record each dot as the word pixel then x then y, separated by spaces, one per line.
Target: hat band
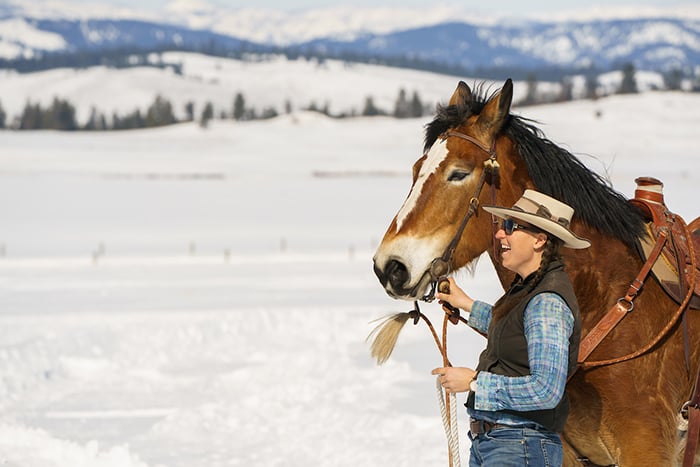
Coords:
pixel 540 210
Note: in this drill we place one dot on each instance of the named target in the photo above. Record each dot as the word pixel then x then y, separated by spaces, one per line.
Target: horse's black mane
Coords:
pixel 554 171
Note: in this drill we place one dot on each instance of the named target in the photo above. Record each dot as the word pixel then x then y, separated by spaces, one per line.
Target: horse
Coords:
pixel 623 414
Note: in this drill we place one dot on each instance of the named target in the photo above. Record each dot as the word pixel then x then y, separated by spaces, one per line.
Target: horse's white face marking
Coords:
pixel 438 153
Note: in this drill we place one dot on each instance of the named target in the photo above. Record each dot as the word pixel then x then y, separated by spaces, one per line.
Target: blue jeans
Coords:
pixel 516 447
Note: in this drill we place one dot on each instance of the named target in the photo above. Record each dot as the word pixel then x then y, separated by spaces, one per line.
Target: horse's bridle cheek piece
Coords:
pixel 441 267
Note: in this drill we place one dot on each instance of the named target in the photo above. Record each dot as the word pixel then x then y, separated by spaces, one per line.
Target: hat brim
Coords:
pixel 570 239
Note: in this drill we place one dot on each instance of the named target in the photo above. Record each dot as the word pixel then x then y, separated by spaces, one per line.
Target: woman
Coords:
pixel 517 403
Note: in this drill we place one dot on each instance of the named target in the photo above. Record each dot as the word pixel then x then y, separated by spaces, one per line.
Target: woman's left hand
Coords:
pixel 454 379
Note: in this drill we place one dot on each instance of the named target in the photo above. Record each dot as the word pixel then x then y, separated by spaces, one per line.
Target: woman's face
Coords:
pixel 521 251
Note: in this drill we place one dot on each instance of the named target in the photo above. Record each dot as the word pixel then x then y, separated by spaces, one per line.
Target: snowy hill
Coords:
pixel 276 83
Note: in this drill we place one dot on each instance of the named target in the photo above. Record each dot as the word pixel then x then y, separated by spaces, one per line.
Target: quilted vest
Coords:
pixel 506 350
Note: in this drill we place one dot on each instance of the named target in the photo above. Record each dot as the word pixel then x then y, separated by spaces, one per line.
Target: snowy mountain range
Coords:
pixel 447 35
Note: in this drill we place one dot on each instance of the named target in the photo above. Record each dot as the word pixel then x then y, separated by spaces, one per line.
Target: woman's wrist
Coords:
pixel 472 382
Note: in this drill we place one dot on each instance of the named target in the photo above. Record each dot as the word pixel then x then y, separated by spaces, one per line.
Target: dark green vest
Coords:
pixel 506 350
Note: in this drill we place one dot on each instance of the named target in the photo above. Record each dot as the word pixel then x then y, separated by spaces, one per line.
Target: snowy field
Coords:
pixel 183 297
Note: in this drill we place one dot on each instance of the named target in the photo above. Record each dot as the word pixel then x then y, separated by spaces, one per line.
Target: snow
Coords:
pixel 184 296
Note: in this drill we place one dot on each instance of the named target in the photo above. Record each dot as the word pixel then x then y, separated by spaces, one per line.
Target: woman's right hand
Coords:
pixel 457 297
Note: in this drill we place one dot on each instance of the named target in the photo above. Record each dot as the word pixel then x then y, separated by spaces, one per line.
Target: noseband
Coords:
pixel 441 267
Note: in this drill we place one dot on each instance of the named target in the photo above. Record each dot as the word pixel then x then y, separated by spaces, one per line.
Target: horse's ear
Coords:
pixel 462 95
pixel 496 110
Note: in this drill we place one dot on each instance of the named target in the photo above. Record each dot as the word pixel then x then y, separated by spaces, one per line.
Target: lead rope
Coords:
pixel 449 416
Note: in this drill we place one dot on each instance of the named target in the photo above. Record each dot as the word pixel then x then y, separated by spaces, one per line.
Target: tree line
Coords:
pixel 61 114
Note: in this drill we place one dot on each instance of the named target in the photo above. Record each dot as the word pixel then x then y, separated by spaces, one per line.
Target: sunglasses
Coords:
pixel 509 225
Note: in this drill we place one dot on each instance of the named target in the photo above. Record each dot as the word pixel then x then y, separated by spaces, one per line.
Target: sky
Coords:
pixel 504 7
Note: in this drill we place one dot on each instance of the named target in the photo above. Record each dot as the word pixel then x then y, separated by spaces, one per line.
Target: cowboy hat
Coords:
pixel 545 213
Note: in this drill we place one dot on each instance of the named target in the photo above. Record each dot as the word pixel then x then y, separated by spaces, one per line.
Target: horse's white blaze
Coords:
pixel 437 154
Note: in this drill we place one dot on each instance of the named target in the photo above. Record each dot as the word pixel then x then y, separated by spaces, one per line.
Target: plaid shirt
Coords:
pixel 548 323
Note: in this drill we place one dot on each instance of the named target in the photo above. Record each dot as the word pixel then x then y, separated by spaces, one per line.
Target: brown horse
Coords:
pixel 622 414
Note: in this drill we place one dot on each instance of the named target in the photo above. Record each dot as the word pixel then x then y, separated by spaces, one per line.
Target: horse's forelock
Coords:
pixel 453 116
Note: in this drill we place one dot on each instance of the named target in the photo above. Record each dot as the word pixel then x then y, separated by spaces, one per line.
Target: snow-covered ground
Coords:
pixel 185 297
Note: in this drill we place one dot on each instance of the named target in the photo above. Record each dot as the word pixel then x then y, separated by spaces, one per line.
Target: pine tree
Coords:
pixel 591 86
pixel 416 106
pixel 673 79
pixel 207 114
pixel 401 109
pixel 370 109
pixel 3 116
pixel 189 111
pixel 531 96
pixel 31 118
pixel 160 113
pixel 567 90
pixel 239 110
pixel 629 82
pixel 64 115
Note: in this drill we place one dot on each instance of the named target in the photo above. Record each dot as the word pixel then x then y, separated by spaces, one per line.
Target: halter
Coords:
pixel 440 267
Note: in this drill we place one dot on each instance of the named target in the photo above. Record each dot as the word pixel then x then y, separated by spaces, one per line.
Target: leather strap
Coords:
pixel 622 306
pixel 691 440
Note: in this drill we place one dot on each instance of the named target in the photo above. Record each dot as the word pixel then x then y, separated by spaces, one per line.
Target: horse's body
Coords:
pixel 624 413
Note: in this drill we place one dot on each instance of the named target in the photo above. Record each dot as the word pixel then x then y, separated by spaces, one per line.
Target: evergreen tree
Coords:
pixel 31 118
pixel 629 82
pixel 673 79
pixel 531 96
pixel 92 121
pixel 239 110
pixel 62 116
pixel 189 111
pixel 3 116
pixel 207 114
pixel 270 112
pixel 160 113
pixel 401 108
pixel 370 109
pixel 567 89
pixel 591 86
pixel 416 106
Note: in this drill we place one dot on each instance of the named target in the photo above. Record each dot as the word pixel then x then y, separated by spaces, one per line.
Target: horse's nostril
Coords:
pixel 380 274
pixel 396 274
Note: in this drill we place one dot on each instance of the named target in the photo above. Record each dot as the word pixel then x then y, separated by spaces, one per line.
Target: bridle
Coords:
pixel 438 271
pixel 441 267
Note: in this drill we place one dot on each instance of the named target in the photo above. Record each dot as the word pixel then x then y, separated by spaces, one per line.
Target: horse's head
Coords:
pixel 459 142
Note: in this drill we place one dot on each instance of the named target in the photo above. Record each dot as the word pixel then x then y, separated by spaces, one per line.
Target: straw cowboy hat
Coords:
pixel 545 213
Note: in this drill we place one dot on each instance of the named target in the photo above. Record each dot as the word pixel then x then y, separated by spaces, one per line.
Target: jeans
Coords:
pixel 516 447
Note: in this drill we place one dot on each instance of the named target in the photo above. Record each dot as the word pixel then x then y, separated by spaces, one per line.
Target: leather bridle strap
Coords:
pixel 490 168
pixel 441 266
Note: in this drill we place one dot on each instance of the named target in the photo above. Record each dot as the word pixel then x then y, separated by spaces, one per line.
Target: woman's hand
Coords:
pixel 457 297
pixel 455 379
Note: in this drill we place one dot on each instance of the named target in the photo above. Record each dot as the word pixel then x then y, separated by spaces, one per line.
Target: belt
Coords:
pixel 479 427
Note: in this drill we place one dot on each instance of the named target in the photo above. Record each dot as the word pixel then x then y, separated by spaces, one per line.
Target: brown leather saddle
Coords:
pixel 673 268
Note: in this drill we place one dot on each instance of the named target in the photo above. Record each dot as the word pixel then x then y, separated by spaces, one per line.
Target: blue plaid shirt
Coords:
pixel 548 323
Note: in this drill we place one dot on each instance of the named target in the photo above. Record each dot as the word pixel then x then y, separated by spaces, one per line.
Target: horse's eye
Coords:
pixel 457 176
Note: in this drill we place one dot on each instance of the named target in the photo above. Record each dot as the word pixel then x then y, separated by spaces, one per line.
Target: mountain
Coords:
pixel 651 43
pixel 447 37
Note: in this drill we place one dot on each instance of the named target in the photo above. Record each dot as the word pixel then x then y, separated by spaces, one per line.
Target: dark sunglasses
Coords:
pixel 509 225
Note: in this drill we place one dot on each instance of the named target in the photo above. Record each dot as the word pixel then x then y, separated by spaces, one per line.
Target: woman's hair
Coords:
pixel 550 252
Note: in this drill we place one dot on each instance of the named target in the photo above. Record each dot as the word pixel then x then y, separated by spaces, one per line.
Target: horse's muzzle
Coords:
pixel 395 278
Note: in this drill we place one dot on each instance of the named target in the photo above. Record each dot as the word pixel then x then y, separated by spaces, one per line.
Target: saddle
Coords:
pixel 673 267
